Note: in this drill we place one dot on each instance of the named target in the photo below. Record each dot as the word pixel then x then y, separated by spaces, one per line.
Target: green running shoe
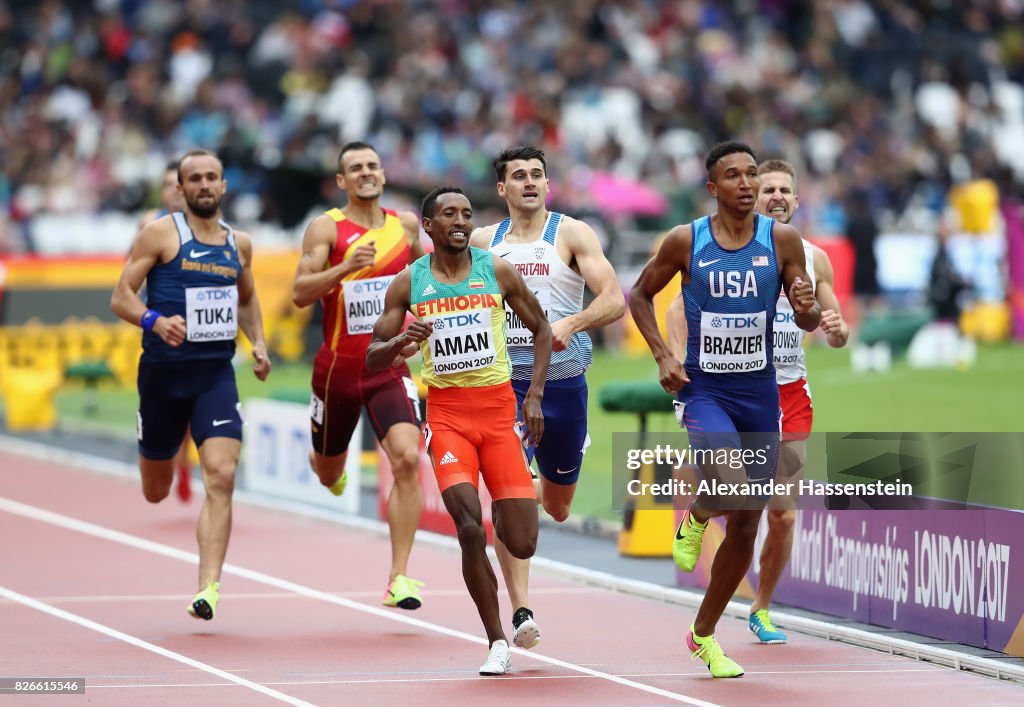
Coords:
pixel 339 486
pixel 204 605
pixel 686 544
pixel 708 650
pixel 404 593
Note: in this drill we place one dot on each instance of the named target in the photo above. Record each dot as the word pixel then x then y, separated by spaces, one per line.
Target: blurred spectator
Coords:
pixel 862 230
pixel 945 285
pixel 95 97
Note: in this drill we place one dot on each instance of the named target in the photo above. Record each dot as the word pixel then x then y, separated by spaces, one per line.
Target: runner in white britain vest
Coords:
pixel 558 256
pixel 777 197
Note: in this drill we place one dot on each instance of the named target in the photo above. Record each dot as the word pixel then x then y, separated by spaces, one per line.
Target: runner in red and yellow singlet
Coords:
pixel 350 255
pixel 458 296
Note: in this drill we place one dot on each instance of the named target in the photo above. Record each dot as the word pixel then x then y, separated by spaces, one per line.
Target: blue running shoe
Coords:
pixel 761 626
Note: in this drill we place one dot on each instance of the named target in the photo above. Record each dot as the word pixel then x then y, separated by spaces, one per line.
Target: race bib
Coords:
pixel 517 333
pixel 364 302
pixel 732 343
pixel 788 338
pixel 462 342
pixel 211 313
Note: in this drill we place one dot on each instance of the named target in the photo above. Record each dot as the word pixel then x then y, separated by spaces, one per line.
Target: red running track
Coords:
pixel 94 583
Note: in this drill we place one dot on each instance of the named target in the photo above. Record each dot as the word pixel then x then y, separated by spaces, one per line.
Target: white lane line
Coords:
pixel 139 643
pixel 699 674
pixel 367 594
pixel 86 528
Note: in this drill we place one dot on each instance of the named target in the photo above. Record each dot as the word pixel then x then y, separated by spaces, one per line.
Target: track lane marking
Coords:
pixel 139 643
pixel 99 531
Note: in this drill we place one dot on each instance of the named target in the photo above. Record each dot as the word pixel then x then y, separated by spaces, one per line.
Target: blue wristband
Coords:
pixel 149 319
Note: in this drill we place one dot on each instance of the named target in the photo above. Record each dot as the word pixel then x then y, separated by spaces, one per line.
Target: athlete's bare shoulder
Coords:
pixel 482 237
pixel 243 239
pixel 409 221
pixel 158 240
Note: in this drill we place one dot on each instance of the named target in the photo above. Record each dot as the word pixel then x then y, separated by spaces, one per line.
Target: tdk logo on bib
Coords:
pixel 214 294
pixel 784 318
pixel 370 286
pixel 458 320
pixel 736 322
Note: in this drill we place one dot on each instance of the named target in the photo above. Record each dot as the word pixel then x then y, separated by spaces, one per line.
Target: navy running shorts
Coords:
pixel 174 395
pixel 734 415
pixel 560 453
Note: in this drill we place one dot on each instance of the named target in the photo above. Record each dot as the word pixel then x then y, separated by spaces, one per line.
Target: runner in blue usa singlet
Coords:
pixel 732 400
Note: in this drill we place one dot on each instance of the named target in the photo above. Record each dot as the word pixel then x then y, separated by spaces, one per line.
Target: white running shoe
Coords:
pixel 526 631
pixel 499 660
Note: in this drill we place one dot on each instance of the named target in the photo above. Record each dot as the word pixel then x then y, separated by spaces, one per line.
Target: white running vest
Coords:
pixel 558 288
pixel 790 363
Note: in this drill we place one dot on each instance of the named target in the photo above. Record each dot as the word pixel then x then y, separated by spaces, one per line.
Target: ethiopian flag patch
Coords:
pixel 475 284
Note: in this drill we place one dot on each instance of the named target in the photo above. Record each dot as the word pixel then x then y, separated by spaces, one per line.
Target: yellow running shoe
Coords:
pixel 687 542
pixel 204 605
pixel 339 486
pixel 708 650
pixel 404 593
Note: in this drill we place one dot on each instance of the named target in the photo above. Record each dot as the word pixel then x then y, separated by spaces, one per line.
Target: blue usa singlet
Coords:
pixel 730 306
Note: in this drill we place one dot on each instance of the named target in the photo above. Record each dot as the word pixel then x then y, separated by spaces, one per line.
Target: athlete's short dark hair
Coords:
pixel 429 203
pixel 521 152
pixel 722 149
pixel 354 145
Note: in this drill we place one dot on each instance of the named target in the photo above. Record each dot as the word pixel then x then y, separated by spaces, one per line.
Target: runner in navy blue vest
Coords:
pixel 200 292
pixel 733 265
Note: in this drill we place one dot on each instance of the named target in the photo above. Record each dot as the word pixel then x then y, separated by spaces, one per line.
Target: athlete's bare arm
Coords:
pixel 389 340
pixel 482 237
pixel 156 244
pixel 608 305
pixel 832 321
pixel 411 225
pixel 313 279
pixel 789 251
pixel 250 317
pixel 672 257
pixel 675 327
pixel 524 303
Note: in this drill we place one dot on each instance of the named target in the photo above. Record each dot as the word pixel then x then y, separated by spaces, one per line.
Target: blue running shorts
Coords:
pixel 565 439
pixel 173 395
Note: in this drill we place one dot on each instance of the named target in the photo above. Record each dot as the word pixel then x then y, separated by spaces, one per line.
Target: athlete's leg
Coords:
pixel 515 523
pixel 183 469
pixel 508 478
pixel 405 502
pixel 328 468
pixel 778 544
pixel 515 571
pixel 753 416
pixel 463 503
pixel 218 457
pixel 559 455
pixel 157 478
pixel 334 414
pixel 217 430
pixel 161 423
pixel 728 569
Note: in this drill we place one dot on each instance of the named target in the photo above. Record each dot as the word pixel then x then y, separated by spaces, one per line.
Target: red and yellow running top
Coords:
pixel 352 308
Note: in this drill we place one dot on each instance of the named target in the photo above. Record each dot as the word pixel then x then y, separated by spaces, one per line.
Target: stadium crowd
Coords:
pixel 882 105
